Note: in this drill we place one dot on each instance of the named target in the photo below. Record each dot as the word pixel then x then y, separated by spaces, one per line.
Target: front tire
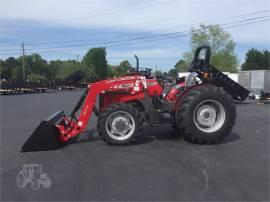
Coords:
pixel 206 115
pixel 35 185
pixel 119 124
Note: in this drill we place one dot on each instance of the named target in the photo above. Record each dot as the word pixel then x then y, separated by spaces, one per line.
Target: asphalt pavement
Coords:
pixel 159 167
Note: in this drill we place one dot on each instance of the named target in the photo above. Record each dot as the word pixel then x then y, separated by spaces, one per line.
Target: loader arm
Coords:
pixel 75 125
pixel 59 128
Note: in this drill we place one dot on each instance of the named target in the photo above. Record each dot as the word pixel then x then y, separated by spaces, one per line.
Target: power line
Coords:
pixel 81 40
pixel 139 38
pixel 143 7
pixel 151 32
pixel 146 39
pixel 247 23
pixel 177 36
pixel 220 19
pixel 152 40
pixel 120 44
pixel 247 20
pixel 101 43
pixel 106 42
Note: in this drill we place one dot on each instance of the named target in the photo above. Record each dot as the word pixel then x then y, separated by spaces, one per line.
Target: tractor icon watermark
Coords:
pixel 33 175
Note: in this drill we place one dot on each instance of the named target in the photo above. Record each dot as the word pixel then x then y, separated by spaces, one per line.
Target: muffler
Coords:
pixel 46 136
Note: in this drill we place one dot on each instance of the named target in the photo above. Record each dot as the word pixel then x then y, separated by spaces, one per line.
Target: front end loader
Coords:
pixel 200 107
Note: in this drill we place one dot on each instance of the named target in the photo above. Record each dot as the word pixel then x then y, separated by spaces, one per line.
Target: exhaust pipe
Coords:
pixel 137 62
pixel 46 136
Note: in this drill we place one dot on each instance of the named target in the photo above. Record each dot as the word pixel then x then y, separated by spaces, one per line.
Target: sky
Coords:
pixel 158 31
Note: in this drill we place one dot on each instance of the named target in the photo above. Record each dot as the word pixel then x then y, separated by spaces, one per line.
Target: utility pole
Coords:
pixel 23 70
pixel 156 68
pixel 77 58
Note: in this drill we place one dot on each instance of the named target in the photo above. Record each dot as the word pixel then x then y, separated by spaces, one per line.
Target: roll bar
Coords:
pixel 206 62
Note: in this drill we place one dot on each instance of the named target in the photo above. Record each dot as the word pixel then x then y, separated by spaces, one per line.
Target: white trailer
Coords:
pixel 255 80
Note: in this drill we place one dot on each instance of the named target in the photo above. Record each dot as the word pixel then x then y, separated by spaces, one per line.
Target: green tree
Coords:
pixel 5 72
pixel 65 69
pixel 212 35
pixel 124 67
pixel 35 77
pixel 221 43
pixel 225 61
pixel 165 74
pixel 158 73
pixel 120 69
pixel 172 73
pixel 11 62
pixel 256 60
pixel 35 64
pixel 17 74
pixel 54 68
pixel 181 66
pixel 111 71
pixel 90 74
pixel 125 64
pixel 7 66
pixel 96 58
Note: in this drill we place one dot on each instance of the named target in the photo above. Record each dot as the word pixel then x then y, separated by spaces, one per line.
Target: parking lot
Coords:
pixel 159 167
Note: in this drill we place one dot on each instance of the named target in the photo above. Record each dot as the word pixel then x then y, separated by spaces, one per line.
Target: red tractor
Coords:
pixel 200 107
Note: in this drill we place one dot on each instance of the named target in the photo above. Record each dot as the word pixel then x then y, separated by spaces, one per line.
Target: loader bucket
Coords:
pixel 46 135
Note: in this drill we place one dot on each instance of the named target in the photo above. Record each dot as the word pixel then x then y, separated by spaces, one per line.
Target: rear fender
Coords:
pixel 185 92
pixel 175 91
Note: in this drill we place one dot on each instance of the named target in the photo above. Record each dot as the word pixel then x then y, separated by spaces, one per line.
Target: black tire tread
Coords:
pixel 183 111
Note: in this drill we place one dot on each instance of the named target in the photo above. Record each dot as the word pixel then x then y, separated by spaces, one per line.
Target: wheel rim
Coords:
pixel 35 184
pixel 209 116
pixel 120 125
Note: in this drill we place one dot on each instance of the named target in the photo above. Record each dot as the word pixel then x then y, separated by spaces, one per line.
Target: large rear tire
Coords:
pixel 120 124
pixel 21 180
pixel 206 115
